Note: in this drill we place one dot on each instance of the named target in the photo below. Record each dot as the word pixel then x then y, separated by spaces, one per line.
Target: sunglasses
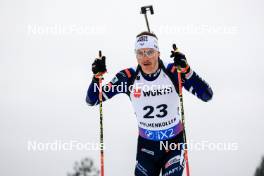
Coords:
pixel 148 53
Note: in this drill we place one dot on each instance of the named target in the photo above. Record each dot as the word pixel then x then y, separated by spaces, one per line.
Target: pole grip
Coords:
pixel 100 54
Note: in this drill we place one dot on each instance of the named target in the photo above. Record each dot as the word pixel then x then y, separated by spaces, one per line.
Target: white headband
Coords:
pixel 146 41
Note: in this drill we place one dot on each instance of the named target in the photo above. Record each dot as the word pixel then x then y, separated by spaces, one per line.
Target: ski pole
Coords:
pixel 100 77
pixel 179 70
pixel 144 10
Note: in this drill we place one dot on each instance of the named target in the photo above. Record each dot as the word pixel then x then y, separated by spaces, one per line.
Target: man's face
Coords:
pixel 148 59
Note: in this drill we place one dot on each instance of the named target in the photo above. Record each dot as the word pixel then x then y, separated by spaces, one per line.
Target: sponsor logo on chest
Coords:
pixel 158 92
pixel 152 93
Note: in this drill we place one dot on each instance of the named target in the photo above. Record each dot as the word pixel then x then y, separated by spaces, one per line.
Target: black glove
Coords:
pixel 99 66
pixel 179 58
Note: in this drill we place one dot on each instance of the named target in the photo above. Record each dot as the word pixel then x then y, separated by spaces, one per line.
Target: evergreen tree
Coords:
pixel 260 169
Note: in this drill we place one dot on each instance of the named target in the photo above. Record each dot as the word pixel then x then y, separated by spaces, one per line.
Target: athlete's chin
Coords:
pixel 148 69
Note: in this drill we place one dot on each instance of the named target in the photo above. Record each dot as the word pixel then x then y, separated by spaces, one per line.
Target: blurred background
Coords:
pixel 46 51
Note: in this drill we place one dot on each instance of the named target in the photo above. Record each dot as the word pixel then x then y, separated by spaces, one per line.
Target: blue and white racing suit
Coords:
pixel 155 100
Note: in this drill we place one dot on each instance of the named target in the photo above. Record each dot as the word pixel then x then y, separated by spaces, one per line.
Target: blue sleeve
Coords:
pixel 119 84
pixel 193 83
pixel 197 86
